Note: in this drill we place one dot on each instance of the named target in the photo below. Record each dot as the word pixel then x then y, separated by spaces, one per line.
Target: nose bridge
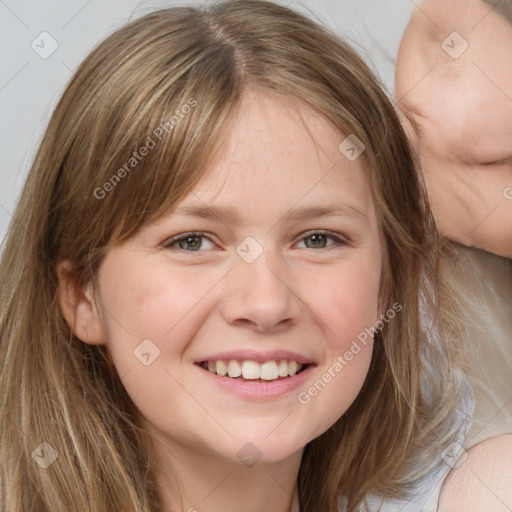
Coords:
pixel 258 293
pixel 263 278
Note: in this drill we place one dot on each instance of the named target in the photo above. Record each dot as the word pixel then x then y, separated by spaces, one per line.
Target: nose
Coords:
pixel 259 296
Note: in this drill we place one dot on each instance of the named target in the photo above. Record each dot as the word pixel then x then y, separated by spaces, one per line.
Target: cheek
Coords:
pixel 145 302
pixel 346 306
pixel 338 382
pixel 346 302
pixel 149 318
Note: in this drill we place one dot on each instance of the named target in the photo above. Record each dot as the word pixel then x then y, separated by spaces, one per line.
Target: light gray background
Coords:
pixel 30 85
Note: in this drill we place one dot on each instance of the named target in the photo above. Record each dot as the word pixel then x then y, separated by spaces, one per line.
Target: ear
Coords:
pixel 78 306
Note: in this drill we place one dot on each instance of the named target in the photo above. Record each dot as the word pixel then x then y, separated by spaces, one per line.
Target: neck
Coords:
pixel 190 481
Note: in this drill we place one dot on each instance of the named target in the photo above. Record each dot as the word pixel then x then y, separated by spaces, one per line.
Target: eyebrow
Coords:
pixel 228 215
pixel 315 212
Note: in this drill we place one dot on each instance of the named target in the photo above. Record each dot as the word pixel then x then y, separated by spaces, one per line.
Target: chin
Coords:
pixel 259 449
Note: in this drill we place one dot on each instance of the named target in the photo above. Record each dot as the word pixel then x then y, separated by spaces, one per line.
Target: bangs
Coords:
pixel 165 136
pixel 162 97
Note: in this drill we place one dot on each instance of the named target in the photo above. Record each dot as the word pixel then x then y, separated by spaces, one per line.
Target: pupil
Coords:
pixel 191 242
pixel 317 240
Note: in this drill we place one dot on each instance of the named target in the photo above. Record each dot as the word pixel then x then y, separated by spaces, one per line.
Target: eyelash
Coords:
pixel 183 236
pixel 337 240
pixel 505 161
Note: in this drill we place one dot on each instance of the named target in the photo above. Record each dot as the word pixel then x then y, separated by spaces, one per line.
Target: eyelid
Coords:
pixel 501 161
pixel 337 237
pixel 169 242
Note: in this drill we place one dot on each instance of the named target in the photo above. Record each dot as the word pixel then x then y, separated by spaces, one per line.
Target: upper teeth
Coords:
pixel 269 370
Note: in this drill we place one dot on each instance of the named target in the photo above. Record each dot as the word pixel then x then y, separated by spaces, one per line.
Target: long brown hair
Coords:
pixel 77 202
pixel 502 7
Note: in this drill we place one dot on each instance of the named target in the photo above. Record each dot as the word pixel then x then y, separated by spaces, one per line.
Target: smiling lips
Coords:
pixel 252 370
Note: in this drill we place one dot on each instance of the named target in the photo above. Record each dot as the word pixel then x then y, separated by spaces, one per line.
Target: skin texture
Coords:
pixel 483 481
pixel 459 113
pixel 313 301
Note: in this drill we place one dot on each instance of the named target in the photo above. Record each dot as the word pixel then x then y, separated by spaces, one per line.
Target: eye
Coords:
pixel 320 240
pixel 505 161
pixel 191 242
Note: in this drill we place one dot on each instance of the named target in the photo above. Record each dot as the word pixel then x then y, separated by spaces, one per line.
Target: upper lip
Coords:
pixel 258 356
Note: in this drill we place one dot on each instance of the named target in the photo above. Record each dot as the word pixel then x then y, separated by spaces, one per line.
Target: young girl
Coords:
pixel 218 285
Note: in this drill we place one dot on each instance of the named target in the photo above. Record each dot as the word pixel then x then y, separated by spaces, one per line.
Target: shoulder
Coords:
pixel 483 481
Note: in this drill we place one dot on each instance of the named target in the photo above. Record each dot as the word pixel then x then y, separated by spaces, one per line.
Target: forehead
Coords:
pixel 280 152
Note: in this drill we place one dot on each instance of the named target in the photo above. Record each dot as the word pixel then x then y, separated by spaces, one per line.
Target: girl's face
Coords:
pixel 273 259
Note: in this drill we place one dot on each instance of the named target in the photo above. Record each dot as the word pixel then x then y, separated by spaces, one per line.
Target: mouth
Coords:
pixel 254 371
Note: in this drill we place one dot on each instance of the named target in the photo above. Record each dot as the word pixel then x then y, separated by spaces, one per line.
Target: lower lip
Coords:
pixel 258 389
